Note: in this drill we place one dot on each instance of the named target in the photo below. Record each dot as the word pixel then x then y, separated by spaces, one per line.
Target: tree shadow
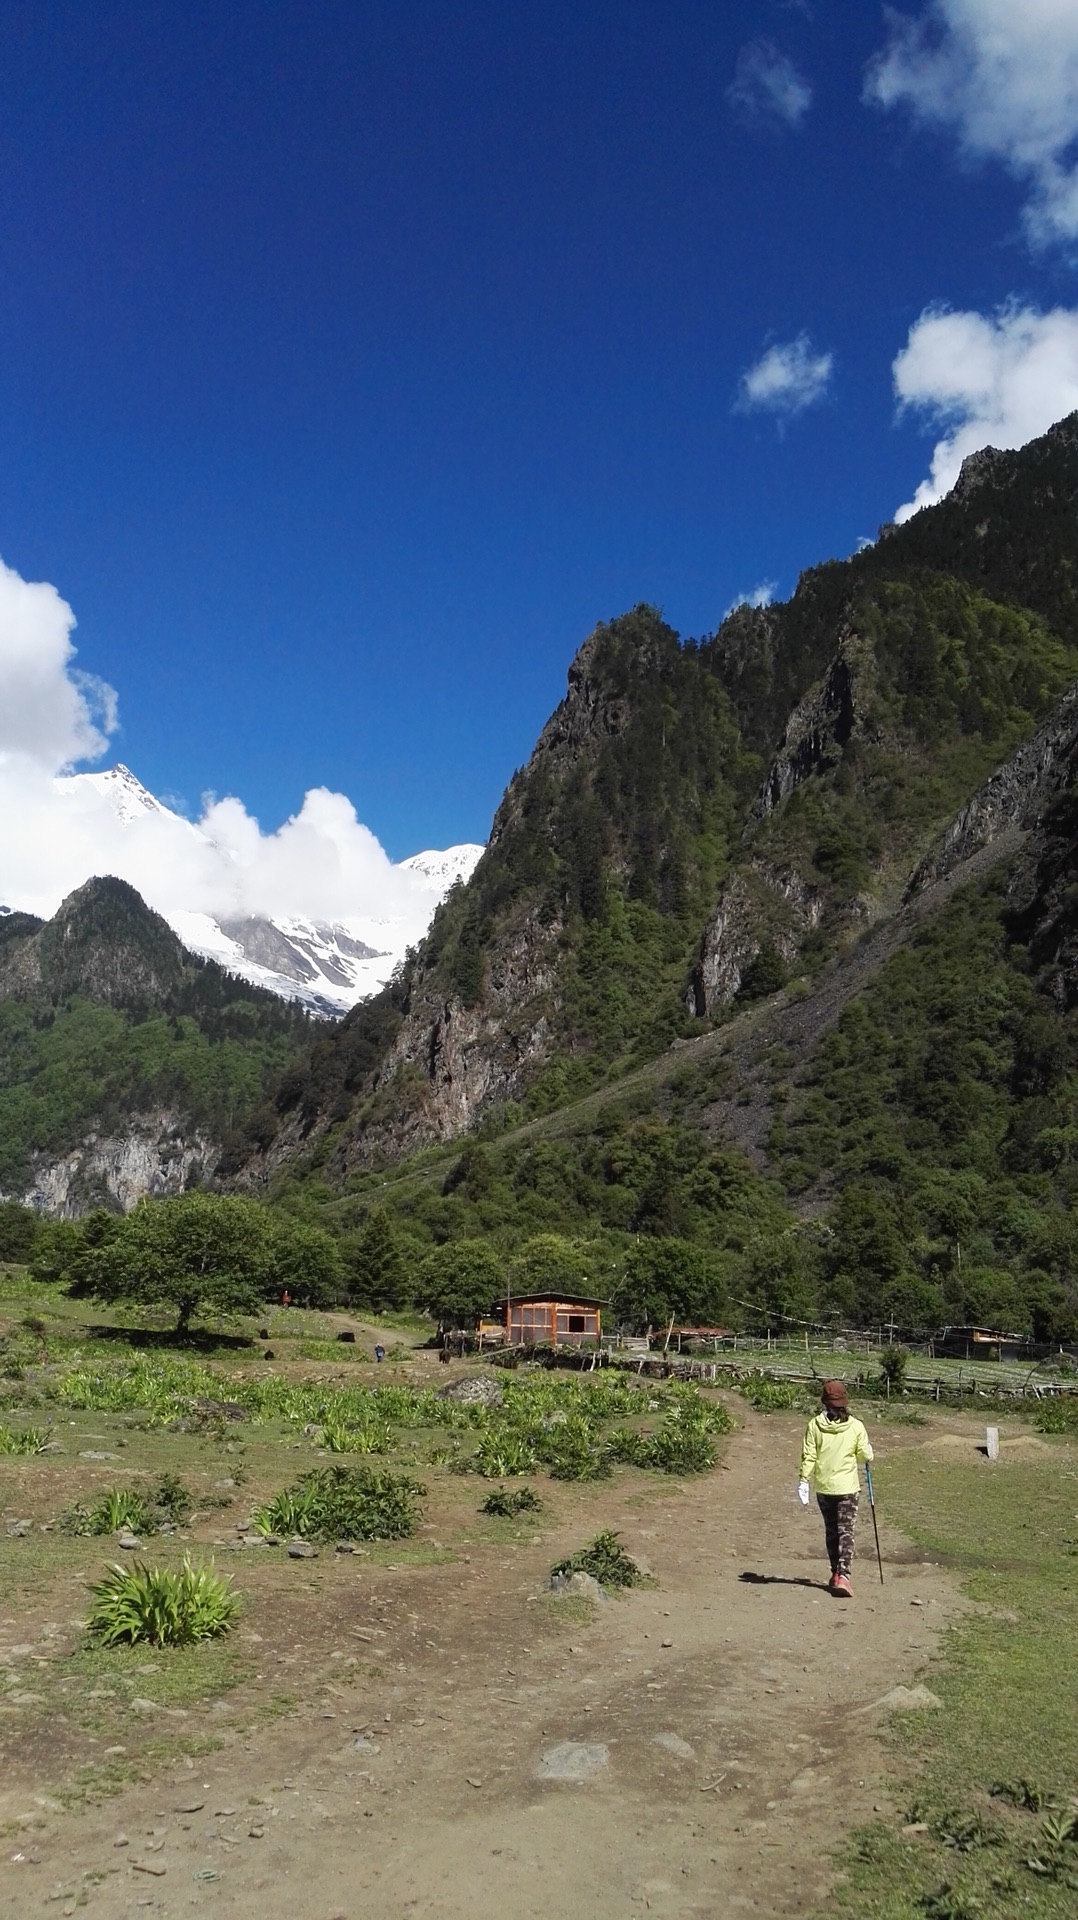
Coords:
pixel 195 1340
pixel 783 1580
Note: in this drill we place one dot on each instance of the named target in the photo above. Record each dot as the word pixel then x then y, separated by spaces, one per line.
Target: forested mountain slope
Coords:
pixel 702 821
pixel 125 1062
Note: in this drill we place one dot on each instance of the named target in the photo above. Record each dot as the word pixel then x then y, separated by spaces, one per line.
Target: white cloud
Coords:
pixel 787 378
pixel 59 829
pixel 1004 77
pixel 767 86
pixel 992 380
pixel 761 596
pixel 49 712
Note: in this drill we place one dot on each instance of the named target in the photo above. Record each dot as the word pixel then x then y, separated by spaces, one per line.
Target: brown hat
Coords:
pixel 834 1395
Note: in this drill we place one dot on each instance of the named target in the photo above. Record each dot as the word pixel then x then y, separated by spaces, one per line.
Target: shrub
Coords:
pixel 605 1559
pixel 345 1503
pixel 506 1501
pixel 172 1499
pixel 162 1607
pixel 1058 1415
pixel 893 1364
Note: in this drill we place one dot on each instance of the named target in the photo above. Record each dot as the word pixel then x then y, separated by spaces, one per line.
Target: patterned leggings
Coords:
pixel 839 1519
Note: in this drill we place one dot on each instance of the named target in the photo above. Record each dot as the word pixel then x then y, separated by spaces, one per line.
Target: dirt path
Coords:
pixel 713 1713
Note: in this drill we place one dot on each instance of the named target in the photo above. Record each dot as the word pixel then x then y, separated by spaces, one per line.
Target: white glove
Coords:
pixel 803 1492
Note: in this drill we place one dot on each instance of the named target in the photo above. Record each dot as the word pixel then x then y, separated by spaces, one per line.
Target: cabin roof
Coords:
pixel 550 1299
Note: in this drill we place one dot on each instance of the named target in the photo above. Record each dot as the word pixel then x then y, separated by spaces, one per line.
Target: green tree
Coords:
pixel 460 1281
pixel 379 1271
pixel 193 1252
pixel 547 1263
pixel 307 1261
pixel 663 1279
pixel 19 1230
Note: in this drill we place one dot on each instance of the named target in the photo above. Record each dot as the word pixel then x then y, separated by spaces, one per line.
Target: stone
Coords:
pixel 673 1743
pixel 475 1390
pixel 18 1529
pixel 577 1586
pixel 906 1700
pixel 128 1542
pixel 572 1760
pixel 301 1550
pixel 93 1453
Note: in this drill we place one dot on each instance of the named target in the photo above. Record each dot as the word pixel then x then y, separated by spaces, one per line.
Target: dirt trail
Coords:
pixel 717 1708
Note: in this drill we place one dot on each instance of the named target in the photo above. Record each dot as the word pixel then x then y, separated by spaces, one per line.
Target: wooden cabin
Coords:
pixel 549 1319
pixel 979 1343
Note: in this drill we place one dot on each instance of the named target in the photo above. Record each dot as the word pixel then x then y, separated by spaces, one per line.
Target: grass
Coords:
pixel 993 1778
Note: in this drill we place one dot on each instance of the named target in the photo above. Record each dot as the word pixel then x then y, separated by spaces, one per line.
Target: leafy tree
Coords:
pixel 193 1252
pixel 549 1262
pixel 19 1230
pixel 664 1279
pixel 307 1261
pixel 459 1281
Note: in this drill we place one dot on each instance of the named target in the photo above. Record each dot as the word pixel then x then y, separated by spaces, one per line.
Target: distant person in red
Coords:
pixel 835 1446
pixel 286 1298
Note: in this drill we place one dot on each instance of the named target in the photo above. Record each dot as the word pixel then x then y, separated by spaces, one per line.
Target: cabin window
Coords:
pixel 577 1323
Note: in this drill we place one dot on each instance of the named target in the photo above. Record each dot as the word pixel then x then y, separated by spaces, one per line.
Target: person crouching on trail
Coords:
pixel 834 1444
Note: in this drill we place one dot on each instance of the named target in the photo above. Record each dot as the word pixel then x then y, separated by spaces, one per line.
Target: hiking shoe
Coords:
pixel 841 1587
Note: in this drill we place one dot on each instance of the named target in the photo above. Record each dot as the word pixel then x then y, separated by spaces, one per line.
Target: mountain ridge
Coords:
pixel 326 965
pixel 700 818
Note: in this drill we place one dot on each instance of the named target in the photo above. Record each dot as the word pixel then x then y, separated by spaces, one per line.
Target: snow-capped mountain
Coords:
pixel 326 965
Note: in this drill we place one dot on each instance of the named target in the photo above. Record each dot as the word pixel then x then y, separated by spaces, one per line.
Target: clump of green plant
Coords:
pixel 167 1503
pixel 501 1453
pixel 113 1510
pixel 371 1437
pixel 161 1606
pixel 1058 1415
pixel 345 1503
pixel 772 1396
pixel 605 1559
pixel 506 1501
pixel 171 1499
pixel 573 1450
pixel 1056 1856
pixel 23 1440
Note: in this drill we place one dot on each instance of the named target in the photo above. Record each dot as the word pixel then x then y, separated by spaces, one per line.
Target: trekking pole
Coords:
pixel 875 1528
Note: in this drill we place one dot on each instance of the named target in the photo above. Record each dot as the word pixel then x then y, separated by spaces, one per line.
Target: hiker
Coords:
pixel 379 1354
pixel 834 1443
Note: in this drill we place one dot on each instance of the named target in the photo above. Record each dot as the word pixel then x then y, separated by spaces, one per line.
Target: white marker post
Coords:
pixel 991 1435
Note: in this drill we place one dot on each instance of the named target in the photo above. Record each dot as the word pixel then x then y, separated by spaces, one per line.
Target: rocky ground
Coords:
pixel 447 1739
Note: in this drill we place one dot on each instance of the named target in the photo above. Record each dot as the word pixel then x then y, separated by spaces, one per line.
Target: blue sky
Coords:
pixel 355 359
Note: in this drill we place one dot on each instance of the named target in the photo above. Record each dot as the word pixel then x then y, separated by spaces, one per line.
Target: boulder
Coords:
pixel 474 1390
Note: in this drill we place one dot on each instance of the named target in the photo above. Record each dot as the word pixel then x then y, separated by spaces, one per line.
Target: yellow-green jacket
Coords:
pixel 831 1452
